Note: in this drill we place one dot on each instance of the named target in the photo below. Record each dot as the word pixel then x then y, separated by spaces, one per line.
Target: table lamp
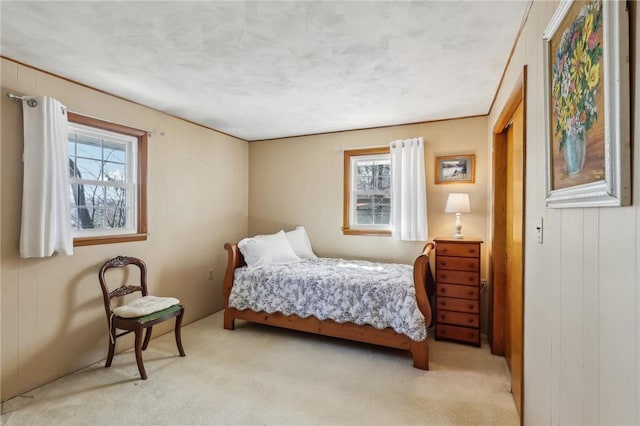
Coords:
pixel 458 202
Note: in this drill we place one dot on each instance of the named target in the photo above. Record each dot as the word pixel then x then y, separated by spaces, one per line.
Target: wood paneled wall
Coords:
pixel 52 316
pixel 582 285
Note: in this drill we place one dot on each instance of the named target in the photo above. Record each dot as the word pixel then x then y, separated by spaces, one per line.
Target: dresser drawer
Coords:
pixel 459 250
pixel 458 333
pixel 461 291
pixel 458 277
pixel 458 318
pixel 459 305
pixel 458 263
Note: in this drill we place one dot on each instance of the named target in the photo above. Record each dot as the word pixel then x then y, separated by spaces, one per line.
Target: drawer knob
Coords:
pixel 471 305
pixel 471 335
pixel 443 275
pixel 444 249
pixel 472 250
pixel 470 292
pixel 443 303
pixel 471 265
pixel 443 290
pixel 470 320
pixel 443 263
pixel 443 317
pixel 470 278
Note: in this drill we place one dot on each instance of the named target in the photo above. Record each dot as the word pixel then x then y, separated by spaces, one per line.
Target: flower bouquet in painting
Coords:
pixel 576 76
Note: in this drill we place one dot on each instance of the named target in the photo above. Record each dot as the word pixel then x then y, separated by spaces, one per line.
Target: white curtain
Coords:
pixel 408 190
pixel 46 220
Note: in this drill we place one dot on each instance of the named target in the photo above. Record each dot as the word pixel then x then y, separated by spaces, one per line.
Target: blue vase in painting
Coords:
pixel 575 150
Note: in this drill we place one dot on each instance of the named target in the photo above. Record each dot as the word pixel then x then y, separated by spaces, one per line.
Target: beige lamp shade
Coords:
pixel 458 202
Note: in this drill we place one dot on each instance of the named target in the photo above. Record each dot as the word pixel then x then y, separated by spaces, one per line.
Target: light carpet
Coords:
pixel 259 375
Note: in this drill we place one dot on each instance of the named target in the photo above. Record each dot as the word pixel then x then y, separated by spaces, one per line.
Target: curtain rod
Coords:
pixel 33 103
pixel 16 97
pixel 342 149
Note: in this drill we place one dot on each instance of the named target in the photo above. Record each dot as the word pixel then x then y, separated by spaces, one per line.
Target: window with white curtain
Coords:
pixel 367 191
pixel 106 164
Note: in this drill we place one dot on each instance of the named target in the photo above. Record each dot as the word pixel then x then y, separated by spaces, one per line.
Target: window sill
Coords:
pixel 373 232
pixel 108 239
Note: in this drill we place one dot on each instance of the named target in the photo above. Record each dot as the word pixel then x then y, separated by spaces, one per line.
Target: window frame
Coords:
pixel 347 228
pixel 140 216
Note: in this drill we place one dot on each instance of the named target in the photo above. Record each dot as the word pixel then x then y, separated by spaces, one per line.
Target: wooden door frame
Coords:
pixel 497 257
pixel 497 263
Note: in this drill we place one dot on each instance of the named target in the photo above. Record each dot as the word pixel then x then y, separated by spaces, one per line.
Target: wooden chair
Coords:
pixel 138 324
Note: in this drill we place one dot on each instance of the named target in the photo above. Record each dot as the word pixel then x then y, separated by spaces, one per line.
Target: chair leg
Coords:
pixel 138 349
pixel 147 337
pixel 112 347
pixel 178 333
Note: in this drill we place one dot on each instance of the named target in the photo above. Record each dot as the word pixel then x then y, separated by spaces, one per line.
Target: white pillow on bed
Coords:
pixel 299 241
pixel 263 250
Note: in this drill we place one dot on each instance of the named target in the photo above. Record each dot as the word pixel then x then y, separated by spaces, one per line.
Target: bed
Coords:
pixel 264 295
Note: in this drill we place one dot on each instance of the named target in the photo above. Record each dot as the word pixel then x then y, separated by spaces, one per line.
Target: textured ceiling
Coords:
pixel 260 70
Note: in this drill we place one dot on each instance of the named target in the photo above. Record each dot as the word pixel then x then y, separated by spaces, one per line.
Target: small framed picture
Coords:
pixel 456 169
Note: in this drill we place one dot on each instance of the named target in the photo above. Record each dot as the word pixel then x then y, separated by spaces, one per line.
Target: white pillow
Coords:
pixel 299 241
pixel 144 305
pixel 264 250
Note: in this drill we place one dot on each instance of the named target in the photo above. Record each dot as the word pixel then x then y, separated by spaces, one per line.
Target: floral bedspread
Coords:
pixel 378 294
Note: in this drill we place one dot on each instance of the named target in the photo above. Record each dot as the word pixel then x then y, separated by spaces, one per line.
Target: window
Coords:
pixel 367 192
pixel 107 170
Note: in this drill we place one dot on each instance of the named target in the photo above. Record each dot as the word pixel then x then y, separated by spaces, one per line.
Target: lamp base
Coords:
pixel 458 234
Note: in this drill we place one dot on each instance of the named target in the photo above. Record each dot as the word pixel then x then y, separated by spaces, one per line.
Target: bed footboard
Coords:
pixel 421 269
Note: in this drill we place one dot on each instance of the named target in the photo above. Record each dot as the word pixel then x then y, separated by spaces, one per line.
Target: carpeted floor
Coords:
pixel 257 375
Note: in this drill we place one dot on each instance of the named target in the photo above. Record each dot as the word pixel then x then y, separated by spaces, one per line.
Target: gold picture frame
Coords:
pixel 456 169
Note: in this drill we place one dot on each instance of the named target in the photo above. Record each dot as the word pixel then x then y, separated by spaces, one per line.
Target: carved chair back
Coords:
pixel 123 290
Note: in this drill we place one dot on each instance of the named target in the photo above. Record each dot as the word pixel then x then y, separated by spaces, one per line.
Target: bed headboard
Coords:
pixel 234 260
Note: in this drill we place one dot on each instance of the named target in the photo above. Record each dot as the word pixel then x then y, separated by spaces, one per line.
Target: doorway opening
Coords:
pixel 506 271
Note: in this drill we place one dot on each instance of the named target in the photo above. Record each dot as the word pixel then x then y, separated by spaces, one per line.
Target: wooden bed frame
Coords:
pixel 360 333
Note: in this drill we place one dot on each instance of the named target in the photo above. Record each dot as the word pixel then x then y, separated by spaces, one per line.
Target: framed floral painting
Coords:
pixel 586 76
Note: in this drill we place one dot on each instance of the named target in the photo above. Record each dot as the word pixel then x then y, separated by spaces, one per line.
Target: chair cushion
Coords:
pixel 160 314
pixel 144 305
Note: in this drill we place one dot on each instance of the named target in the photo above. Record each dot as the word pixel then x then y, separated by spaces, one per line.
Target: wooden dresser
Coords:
pixel 458 289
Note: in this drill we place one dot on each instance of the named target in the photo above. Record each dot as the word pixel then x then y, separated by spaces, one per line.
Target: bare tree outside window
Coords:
pixel 373 184
pixel 79 214
pixel 97 168
pixel 108 181
pixel 367 191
